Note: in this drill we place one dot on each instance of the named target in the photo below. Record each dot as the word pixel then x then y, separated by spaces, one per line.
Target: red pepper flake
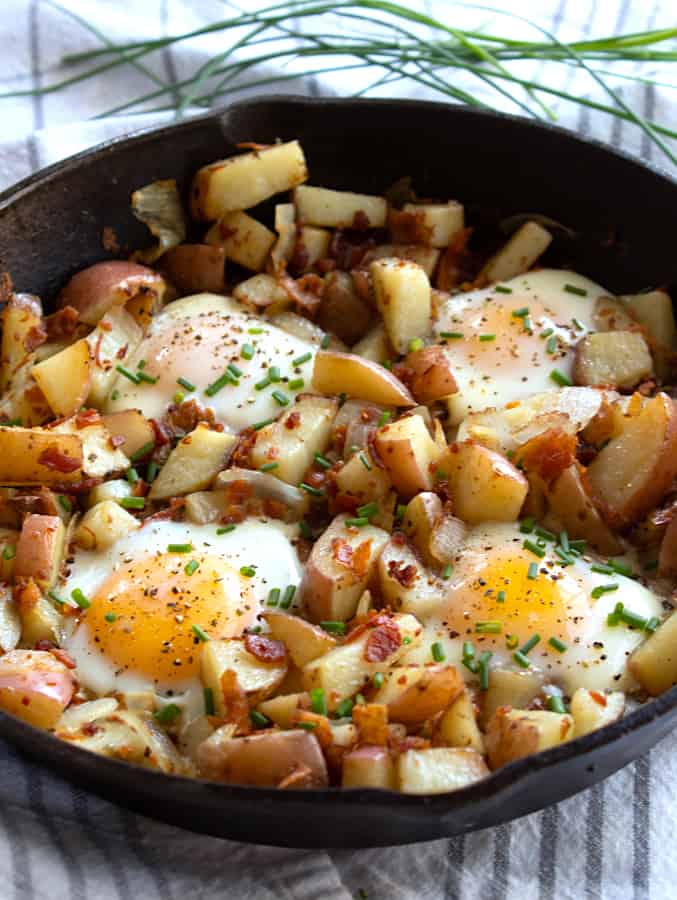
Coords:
pixel 598 698
pixel 384 639
pixel 265 649
pixel 87 417
pixel 54 459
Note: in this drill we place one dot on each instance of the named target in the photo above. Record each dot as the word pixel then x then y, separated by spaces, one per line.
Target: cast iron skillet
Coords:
pixel 624 214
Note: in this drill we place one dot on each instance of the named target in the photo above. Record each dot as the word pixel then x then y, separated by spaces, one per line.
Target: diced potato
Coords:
pixel 345 670
pixel 509 688
pixel 425 257
pixel 100 458
pixel 570 501
pixel 405 584
pixel 369 767
pixel 40 549
pixel 458 726
pixel 592 710
pixel 518 255
pixel 293 440
pixel 311 244
pixel 21 324
pixel 336 372
pixel 131 425
pixel 65 379
pixel 409 454
pixel 402 292
pixel 618 359
pixel 441 220
pixel 246 180
pixel 343 311
pixel 432 375
pixel 365 605
pixel 115 490
pixel 75 717
pixel 371 721
pixel 338 209
pixel 97 289
pixel 654 311
pixel 203 507
pixel 439 770
pixel 513 733
pixel 366 483
pixel 262 292
pixel 103 525
pixel 421 515
pixel 10 621
pixel 633 472
pixel 22 400
pixel 611 315
pixel 29 456
pixel 193 463
pixel 283 759
pixel 244 240
pixel 484 486
pixel 654 663
pixel 195 269
pixel 35 686
pixel 302 328
pixel 375 345
pixel 39 619
pixel 305 642
pixel 193 733
pixel 285 226
pixel 339 567
pixel 257 679
pixel 282 709
pixel 114 340
pixel 414 694
pixel 266 486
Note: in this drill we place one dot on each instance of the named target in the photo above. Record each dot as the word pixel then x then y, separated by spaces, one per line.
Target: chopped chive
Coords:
pixel 365 462
pixel 179 548
pixel 132 502
pixel 483 663
pixel 560 378
pixel 179 397
pixel 307 726
pixel 191 567
pixel 602 569
pixel 296 384
pixel 387 364
pixel 65 503
pixel 247 351
pixel 532 572
pixel 200 633
pixel 383 419
pixel 123 370
pixel 334 627
pixel 151 471
pixel 652 624
pixel 556 704
pixel 309 489
pixel 406 640
pixel 234 370
pixel 521 660
pixel 368 510
pixel 541 542
pixel 551 346
pixel 400 510
pixel 511 641
pixel 342 398
pixel 274 373
pixel 269 467
pixel 80 599
pixel 415 344
pixel 446 571
pixel 318 701
pixel 633 619
pixel 487 337
pixel 142 364
pixel 471 665
pixel 527 526
pixel 185 384
pixel 9 551
pixel 533 548
pixel 281 398
pixel 545 534
pixel 263 384
pixel 451 335
pixel 326 340
pixel 115 395
pixel 378 680
pixel 167 714
pixel 132 475
pixel 492 627
pixel 220 383
pixel 143 451
pixel 502 289
pixel 56 599
pixel 255 330
pixel 578 325
pixel 468 650
pixel 306 530
pixel 558 645
pixel 572 289
pixel 564 541
pixel 259 425
pixel 578 545
pixel 620 568
pixel 603 589
pixel 521 312
pixel 149 379
pixel 529 645
pixel 437 651
pixel 357 523
pixel 300 360
pixel 225 529
pixel 500 597
pixel 615 617
pixel 258 719
pixel 528 325
pixel 288 596
pixel 273 597
pixel 566 558
pixel 344 708
pixel 247 571
pixel 208 695
pixel 111 617
pixel 546 333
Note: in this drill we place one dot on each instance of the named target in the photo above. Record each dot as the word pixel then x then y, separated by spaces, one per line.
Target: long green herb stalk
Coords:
pixel 392 41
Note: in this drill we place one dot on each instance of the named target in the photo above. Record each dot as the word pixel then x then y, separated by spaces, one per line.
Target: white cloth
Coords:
pixel 56 841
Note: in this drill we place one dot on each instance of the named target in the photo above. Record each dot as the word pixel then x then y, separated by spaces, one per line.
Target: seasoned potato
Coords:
pixel 619 359
pixel 375 345
pixel 338 209
pixel 284 759
pixel 359 377
pixel 484 486
pixel 195 268
pixel 303 641
pixel 431 374
pixel 654 663
pixel 458 726
pixel 579 516
pixel 95 290
pixel 311 244
pixel 365 483
pixel 369 767
pixel 513 733
pixel 65 378
pixel 115 490
pixel 439 770
pixel 293 440
pixel 440 221
pixel 409 454
pixel 100 458
pixel 40 549
pixel 402 292
pixel 193 463
pixel 23 401
pixel 342 311
pixel 653 311
pixel 75 717
pixel 405 584
pixel 285 226
pixel 35 686
pixel 21 330
pixel 611 315
pixel 131 425
pixel 634 471
pixel 104 524
pixel 114 340
pixel 592 710
pixel 31 456
pixel 509 688
pixel 257 679
pixel 339 567
pixel 303 328
pixel 414 694
pixel 246 180
pixel 425 257
pixel 262 292
pixel 283 709
pixel 421 515
pixel 518 255
pixel 203 507
pixel 265 486
pixel 10 621
pixel 243 239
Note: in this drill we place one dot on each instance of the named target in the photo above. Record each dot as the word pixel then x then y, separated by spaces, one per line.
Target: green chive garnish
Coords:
pixel 307 726
pixel 545 534
pixel 167 714
pixel 255 330
pixel 365 462
pixel 247 571
pixel 558 645
pixel 151 471
pixel 415 344
pixel 309 489
pixel 487 337
pixel 226 529
pixel 357 523
pixel 602 569
pixel 179 548
pixel 483 663
pixel 191 567
pixel 111 617
pixel 546 333
pixel 378 680
pixel 551 346
pixel 143 451
pixel 263 384
pixel 491 627
pixel 149 379
pixel 533 548
pixel 500 597
pixel 560 378
pixel 502 289
pixel 259 425
pixel 208 695
pixel 274 373
pixel 296 384
pixel 527 526
pixel 258 720
pixel 368 510
pixel 80 599
pixel 269 467
pixel 280 398
pixel 326 340
pixel 132 475
pixel 300 360
pixel 273 597
pixel 447 570
pixel 185 384
pixel 334 627
pixel 620 568
pixel 521 659
pixel 530 644
pixel 220 383
pixel 437 651
pixel 511 641
pixel 306 530
pixel 344 708
pixel 572 289
pixel 603 589
pixel 288 596
pixel 123 370
pixel 556 704
pixel 115 395
pixel 451 335
pixel 578 325
pixel 200 633
pixel 132 502
pixel 247 351
pixel 521 312
pixel 318 701
pixel 532 572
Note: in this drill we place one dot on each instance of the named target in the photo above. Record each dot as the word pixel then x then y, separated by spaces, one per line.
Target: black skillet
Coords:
pixel 623 217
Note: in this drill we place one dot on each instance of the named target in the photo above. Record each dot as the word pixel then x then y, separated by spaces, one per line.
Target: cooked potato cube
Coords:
pixel 458 726
pixel 262 292
pixel 425 257
pixel 193 463
pixel 65 379
pixel 409 454
pixel 375 345
pixel 257 679
pixel 29 456
pixel 618 359
pixel 21 324
pixel 114 340
pixel 402 292
pixel 265 486
pixel 654 663
pixel 518 255
pixel 339 209
pixel 654 311
pixel 339 567
pixel 431 374
pixel 283 709
pixel 293 440
pixel 131 425
pixel 100 458
pixel 484 486
pixel 35 686
pixel 336 372
pixel 301 328
pixel 103 525
pixel 115 489
pixel 39 619
pixel 508 688
pixel 10 621
pixel 592 710
pixel 421 515
pixel 203 507
pixel 439 770
pixel 414 694
pixel 513 733
pixel 311 244
pixel 244 240
pixel 246 180
pixel 40 549
pixel 97 289
pixel 343 311
pixel 347 668
pixel 405 584
pixel 579 516
pixel 441 220
pixel 611 315
pixel 366 483
pixel 305 642
pixel 84 714
pixel 369 767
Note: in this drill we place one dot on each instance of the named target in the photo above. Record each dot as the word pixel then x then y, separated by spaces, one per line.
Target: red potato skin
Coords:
pixel 428 374
pixel 37 546
pixel 195 268
pixel 35 686
pixel 93 291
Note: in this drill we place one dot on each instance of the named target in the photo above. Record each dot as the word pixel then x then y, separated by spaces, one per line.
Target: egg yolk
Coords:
pixel 150 616
pixel 500 592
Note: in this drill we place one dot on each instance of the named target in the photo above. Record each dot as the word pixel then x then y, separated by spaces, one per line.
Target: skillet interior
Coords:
pixel 623 216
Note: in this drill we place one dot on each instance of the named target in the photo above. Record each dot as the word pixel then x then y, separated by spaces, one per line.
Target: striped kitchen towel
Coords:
pixel 613 841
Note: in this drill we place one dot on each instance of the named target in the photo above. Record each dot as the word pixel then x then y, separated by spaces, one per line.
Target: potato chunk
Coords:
pixel 570 501
pixel 409 454
pixel 305 642
pixel 432 376
pixel 339 209
pixel 439 770
pixel 654 311
pixel 337 372
pixel 414 694
pixel 618 359
pixel 100 458
pixel 484 486
pixel 403 298
pixel 339 567
pixel 39 619
pixel 508 688
pixel 40 549
pixel 193 463
pixel 654 663
pixel 246 180
pixel 592 710
pixel 442 221
pixel 518 255
pixel 30 456
pixel 131 425
pixel 369 767
pixel 244 240
pixel 35 686
pixel 10 621
pixel 97 289
pixel 513 733
pixel 262 292
pixel 257 679
pixel 458 726
pixel 21 323
pixel 405 584
pixel 104 524
pixel 114 340
pixel 65 378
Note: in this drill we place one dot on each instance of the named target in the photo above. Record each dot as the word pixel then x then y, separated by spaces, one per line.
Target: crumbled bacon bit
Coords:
pixel 163 434
pixel 186 416
pixel 36 335
pixel 361 558
pixel 456 263
pixel 408 227
pixel 361 221
pixel 404 574
pixel 349 248
pixel 235 701
pixel 384 639
pixel 306 292
pixel 63 323
pixel 87 417
pixel 264 648
pixel 52 458
pixel 342 552
pixel 63 657
pixel 548 454
pixel 122 352
pixel 293 420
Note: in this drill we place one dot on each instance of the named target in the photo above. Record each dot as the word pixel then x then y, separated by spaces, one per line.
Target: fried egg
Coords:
pixel 498 356
pixel 196 339
pixel 151 600
pixel 496 579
